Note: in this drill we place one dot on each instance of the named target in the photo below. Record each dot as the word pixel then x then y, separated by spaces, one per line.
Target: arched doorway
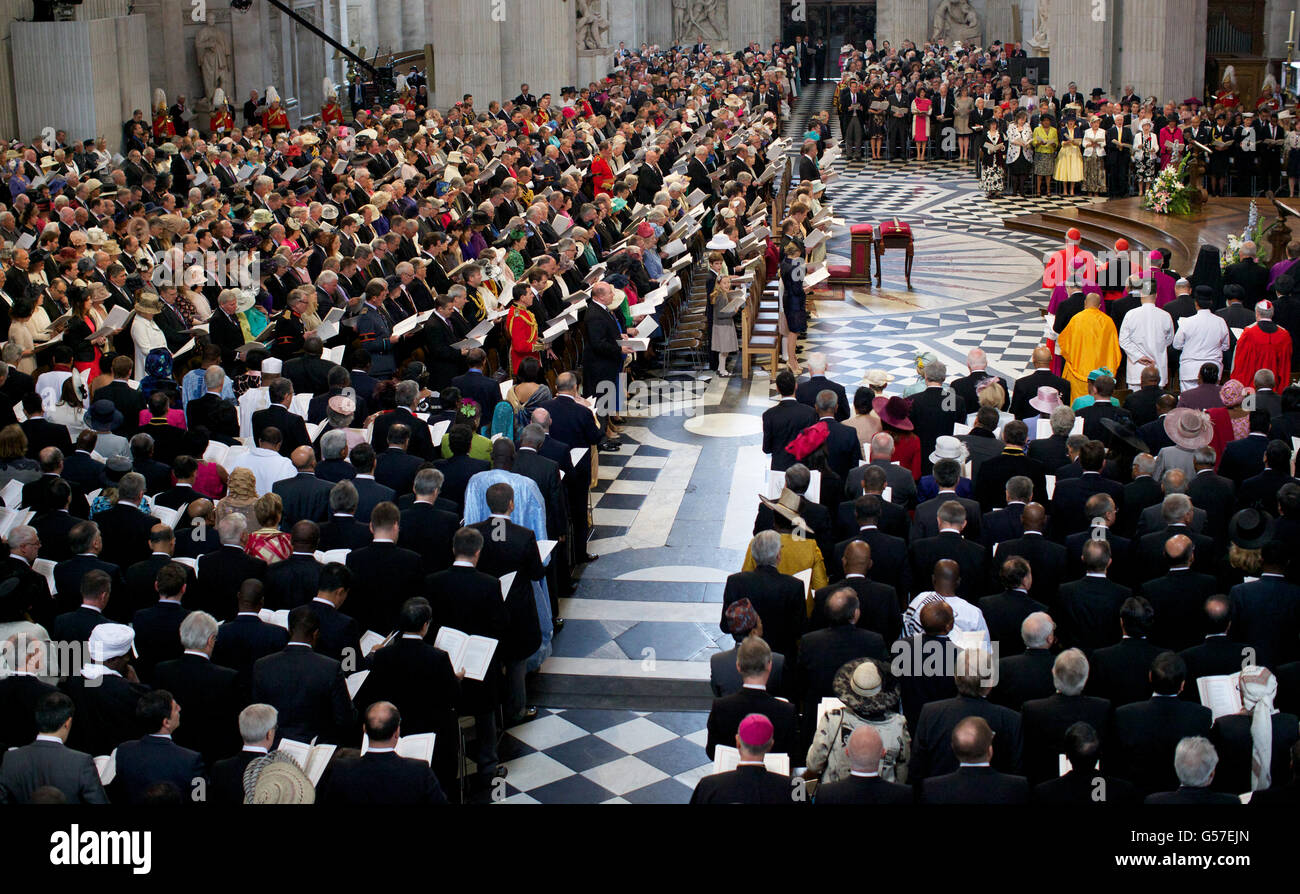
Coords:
pixel 835 22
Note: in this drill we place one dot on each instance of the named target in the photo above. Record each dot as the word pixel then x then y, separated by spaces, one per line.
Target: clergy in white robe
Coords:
pixel 1145 337
pixel 1203 338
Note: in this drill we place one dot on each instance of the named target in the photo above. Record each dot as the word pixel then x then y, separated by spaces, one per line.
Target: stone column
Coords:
pixel 753 20
pixel 900 20
pixel 538 48
pixel 250 68
pixel 414 26
pixel 467 45
pixel 999 21
pixel 1160 40
pixel 1082 47
pixel 388 24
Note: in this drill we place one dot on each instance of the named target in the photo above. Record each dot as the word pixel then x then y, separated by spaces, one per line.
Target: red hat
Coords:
pixel 645 231
pixel 755 730
pixel 893 411
pixel 1073 234
pixel 808 440
pixel 1121 244
pixel 1265 304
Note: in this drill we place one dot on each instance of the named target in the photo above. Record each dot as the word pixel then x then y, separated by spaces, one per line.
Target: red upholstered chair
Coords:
pixel 859 270
pixel 894 233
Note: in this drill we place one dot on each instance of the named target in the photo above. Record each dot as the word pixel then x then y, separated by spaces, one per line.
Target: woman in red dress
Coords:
pixel 894 422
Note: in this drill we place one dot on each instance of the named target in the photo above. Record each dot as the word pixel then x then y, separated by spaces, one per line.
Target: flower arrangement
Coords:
pixel 1170 193
pixel 1252 232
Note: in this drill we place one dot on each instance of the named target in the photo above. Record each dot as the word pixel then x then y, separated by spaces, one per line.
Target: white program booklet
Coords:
pixel 106 766
pixel 332 555
pixel 354 681
pixel 419 747
pixel 278 618
pixel 472 654
pixel 13 493
pixel 12 518
pixel 545 547
pixel 507 581
pixel 311 759
pixel 1220 693
pixel 726 759
pixel 45 568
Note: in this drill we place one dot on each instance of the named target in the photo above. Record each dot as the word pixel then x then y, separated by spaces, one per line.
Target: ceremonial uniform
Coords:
pixel 222 121
pixel 275 121
pixel 374 331
pixel 522 326
pixel 288 335
pixel 163 128
pixel 330 113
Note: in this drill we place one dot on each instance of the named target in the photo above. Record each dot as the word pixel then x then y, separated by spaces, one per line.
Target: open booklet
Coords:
pixel 1220 693
pixel 106 767
pixel 472 654
pixel 12 493
pixel 12 518
pixel 419 747
pixel 507 581
pixel 311 759
pixel 726 759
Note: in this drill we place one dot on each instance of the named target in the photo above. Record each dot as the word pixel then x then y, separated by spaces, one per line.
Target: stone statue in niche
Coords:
pixel 212 47
pixel 699 20
pixel 956 20
pixel 1040 41
pixel 593 27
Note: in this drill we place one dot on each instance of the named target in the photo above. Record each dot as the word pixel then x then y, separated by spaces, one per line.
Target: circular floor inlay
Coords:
pixel 724 425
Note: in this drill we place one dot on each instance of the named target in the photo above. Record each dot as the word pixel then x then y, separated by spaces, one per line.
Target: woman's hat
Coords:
pixel 103 416
pixel 276 779
pixel 876 378
pixel 1047 399
pixel 1232 392
pixel 262 217
pixel 865 687
pixel 149 303
pixel 244 302
pixel 949 447
pixel 1189 429
pixel 787 506
pixel 1250 528
pixel 893 412
pixel 1126 433
pixel 720 242
pixel 329 212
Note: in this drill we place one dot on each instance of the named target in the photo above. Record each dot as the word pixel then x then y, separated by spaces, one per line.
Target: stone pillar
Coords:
pixel 414 26
pixel 900 20
pixel 999 21
pixel 1081 46
pixel 538 48
pixel 753 20
pixel 1160 40
pixel 250 68
pixel 659 23
pixel 626 22
pixel 467 43
pixel 388 25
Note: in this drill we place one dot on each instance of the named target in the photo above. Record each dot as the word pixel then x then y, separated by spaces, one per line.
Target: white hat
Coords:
pixel 720 242
pixel 330 91
pixel 110 641
pixel 272 365
pixel 218 97
pixel 948 447
pixel 271 95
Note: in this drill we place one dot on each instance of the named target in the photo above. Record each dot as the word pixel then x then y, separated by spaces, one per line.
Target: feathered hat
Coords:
pixel 401 84
pixel 218 97
pixel 159 99
pixel 272 97
pixel 330 92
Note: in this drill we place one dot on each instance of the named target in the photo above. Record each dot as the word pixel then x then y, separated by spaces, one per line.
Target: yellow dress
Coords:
pixel 1069 161
pixel 797 555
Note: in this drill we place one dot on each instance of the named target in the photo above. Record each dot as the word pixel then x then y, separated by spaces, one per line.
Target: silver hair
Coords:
pixel 935 371
pixel 532 435
pixel 765 548
pixel 817 363
pixel 256 722
pixel 343 497
pixel 1175 508
pixel 214 377
pixel 131 487
pixel 406 392
pixel 1264 378
pixel 1203 456
pixel 332 444
pixel 427 482
pixel 231 528
pixel 1194 761
pixel 882 445
pixel 827 400
pixel 1173 481
pixel 1037 629
pixel 21 536
pixel 197 629
pixel 1062 421
pixel 1144 464
pixel 1070 672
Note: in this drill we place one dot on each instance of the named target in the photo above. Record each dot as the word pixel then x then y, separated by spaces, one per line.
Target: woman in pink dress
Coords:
pixel 1171 144
pixel 920 122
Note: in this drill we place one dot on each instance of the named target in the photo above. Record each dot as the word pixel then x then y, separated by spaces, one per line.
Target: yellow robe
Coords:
pixel 1088 342
pixel 797 554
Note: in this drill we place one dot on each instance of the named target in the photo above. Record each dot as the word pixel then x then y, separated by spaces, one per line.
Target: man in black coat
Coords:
pixel 48 762
pixel 124 528
pixel 383 574
pixel 40 432
pixel 1081 743
pixel 1242 458
pixel 843 449
pixel 1141 403
pixel 257 729
pixel 545 473
pixel 935 410
pixel 343 530
pixel 824 651
pixel 76 626
pixel 208 692
pixel 381 777
pixel 476 386
pixel 877 602
pixel 1251 275
pixel 932 744
pixel 370 493
pixel 1121 673
pixel 292 427
pixel 1267 611
pixel 925 522
pixel 751 782
pixel 887 554
pixel 602 357
pixel 1147 732
pixel 1091 608
pixel 104 697
pixel 305 687
pixel 1046 720
pixel 754 661
pixel 806 391
pixel 864 784
pixel 778 598
pixel 1005 612
pixel 1178 598
pixel 309 371
pixel 425 528
pixel 245 638
pixel 783 422
pixel 975 781
pixel 394 467
pixel 1026 387
pixel 141 590
pixel 304 496
pixel 156 758
pixel 1007 523
pixel 21 691
pixel 1070 499
pixel 1212 492
pixel 968 385
pixel 293 581
pixel 994 473
pixel 157 628
pixel 224 570
pixel 213 412
pixel 85 543
pixel 922 555
pixel 1220 652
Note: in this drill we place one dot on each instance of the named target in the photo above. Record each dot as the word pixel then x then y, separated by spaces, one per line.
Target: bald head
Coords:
pixel 1033 517
pixel 857 558
pixel 1092 299
pixel 946 576
pixel 1042 357
pixel 303 458
pixel 972 741
pixel 864 750
pixel 1179 550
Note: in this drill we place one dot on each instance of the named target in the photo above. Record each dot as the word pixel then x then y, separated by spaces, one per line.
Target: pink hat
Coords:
pixel 1156 257
pixel 645 231
pixel 755 730
pixel 570 112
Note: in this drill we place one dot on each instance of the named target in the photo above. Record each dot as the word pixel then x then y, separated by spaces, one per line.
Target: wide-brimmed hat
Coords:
pixel 149 303
pixel 262 216
pixel 1126 433
pixel 329 212
pixel 1047 400
pixel 276 779
pixel 1189 429
pixel 1250 528
pixel 720 242
pixel 949 447
pixel 865 686
pixel 102 416
pixel 787 506
pixel 893 411
pixel 876 378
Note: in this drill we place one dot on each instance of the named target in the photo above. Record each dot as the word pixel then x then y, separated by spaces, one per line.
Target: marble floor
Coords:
pixel 625 691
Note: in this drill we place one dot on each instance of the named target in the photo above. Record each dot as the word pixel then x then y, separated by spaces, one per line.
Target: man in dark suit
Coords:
pixel 257 729
pixel 806 391
pixel 407 395
pixel 425 528
pixel 1141 493
pixel 1260 492
pixel 1220 652
pixel 140 590
pixel 444 360
pixel 974 781
pixel 1091 608
pixel 293 581
pixel 922 555
pixel 1006 523
pixel 864 784
pixel 1026 387
pixel 76 626
pixel 1242 458
pixel 925 523
pixel 887 556
pixel 1213 493
pixel 935 410
pixel 105 699
pixel 1267 611
pixel 304 496
pixel 208 691
pixel 1178 515
pixel 1147 732
pixel 1178 598
pixel 213 412
pixel 245 638
pixel 754 661
pixel 82 470
pixel 394 467
pixel 305 687
pixel 1101 511
pixel 40 432
pixel 968 385
pixel 476 386
pixel 48 762
pixel 124 528
pixel 994 472
pixel 1070 499
pixel 461 467
pixel 1081 743
pixel 340 634
pixel 824 651
pixel 343 530
pixel 1141 403
pixel 1251 275
pixel 309 371
pixel 1195 761
pixel 783 422
pixel 778 598
pixel 1047 719
pixel 157 628
pixel 1121 673
pixel 602 357
pixel 932 745
pixel 380 776
pixel 292 427
pixel 224 570
pixel 1005 612
pixel 751 782
pixel 383 574
pixel 370 493
pixel 1054 451
pixel 155 758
